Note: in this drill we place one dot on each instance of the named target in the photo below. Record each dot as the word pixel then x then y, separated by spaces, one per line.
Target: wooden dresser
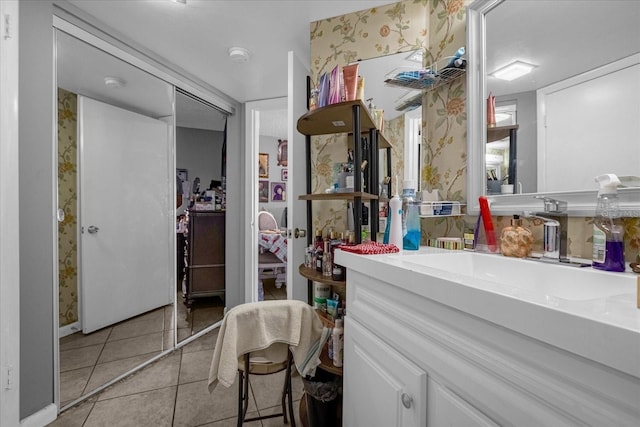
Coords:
pixel 204 256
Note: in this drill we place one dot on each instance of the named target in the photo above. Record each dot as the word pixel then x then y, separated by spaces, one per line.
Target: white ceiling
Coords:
pixel 197 36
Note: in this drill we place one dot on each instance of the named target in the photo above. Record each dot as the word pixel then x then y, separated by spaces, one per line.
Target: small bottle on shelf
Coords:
pixel 327 261
pixel 318 242
pixel 337 273
pixel 337 339
pixel 319 256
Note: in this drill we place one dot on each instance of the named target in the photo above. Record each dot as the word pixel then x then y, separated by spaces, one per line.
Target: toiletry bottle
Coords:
pixel 327 260
pixel 387 228
pixel 337 338
pixel 608 231
pixel 395 217
pixel 516 240
pixel 411 217
pixel 408 197
pixel 319 258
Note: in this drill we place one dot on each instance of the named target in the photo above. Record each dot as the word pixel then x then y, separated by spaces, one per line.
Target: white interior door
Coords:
pixel 125 214
pixel 296 209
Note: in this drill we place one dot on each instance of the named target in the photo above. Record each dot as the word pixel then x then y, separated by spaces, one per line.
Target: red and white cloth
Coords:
pixel 275 244
pixel 371 248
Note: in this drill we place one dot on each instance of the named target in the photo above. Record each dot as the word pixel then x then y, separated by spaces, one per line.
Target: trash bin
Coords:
pixel 321 394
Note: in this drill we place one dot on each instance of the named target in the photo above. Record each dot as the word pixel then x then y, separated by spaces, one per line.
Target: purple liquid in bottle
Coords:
pixel 614 257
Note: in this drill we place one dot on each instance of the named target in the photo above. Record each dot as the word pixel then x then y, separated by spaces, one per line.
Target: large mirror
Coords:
pixel 402 110
pixel 573 114
pixel 122 133
pixel 201 167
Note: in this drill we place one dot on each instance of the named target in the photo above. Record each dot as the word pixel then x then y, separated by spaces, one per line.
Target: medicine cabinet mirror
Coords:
pixel 584 85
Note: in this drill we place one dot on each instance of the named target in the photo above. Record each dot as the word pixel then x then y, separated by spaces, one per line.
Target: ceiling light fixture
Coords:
pixel 238 54
pixel 114 82
pixel 513 70
pixel 180 1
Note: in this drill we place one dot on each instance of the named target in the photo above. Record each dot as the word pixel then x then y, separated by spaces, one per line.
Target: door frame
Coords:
pixel 9 218
pixel 252 135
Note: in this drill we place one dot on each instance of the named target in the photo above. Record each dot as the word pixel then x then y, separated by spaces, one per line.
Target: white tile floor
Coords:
pixel 170 392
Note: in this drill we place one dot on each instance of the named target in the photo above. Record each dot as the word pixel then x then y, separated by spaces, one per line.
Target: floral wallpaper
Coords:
pixel 440 27
pixel 399 27
pixel 67 197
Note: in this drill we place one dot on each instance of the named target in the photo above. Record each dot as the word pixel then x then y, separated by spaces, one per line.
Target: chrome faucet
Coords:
pixel 555 228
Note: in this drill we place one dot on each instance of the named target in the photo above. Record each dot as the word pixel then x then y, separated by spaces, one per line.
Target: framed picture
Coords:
pixel 278 192
pixel 284 175
pixel 263 191
pixel 263 165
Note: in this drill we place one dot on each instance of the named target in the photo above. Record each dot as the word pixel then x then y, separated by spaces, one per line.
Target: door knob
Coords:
pixel 299 233
pixel 93 229
pixel 406 400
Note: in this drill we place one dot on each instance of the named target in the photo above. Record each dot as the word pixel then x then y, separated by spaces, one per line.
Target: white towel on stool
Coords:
pixel 256 326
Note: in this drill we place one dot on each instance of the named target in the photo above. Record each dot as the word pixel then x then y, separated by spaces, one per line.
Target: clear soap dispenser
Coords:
pixel 516 240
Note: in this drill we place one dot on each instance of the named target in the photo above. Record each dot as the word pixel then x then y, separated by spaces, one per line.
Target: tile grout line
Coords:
pixel 175 399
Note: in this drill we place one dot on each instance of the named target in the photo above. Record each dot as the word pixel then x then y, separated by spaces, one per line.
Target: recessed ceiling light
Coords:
pixel 114 82
pixel 239 54
pixel 513 70
pixel 180 1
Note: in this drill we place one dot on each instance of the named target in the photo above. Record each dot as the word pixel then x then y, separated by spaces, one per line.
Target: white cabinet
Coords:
pixel 456 369
pixel 384 388
pixel 394 387
pixel 448 409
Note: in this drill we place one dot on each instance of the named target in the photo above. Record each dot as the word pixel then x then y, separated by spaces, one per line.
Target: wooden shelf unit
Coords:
pixel 312 274
pixel 335 118
pixel 347 117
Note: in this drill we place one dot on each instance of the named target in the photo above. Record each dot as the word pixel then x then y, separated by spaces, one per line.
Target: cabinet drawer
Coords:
pixel 205 279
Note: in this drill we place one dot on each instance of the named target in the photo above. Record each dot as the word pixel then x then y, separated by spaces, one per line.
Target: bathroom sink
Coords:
pixel 531 277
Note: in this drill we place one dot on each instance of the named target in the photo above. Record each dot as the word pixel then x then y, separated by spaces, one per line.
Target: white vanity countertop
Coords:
pixel 604 327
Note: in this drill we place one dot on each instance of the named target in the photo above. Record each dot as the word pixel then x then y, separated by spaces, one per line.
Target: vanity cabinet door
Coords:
pixel 381 387
pixel 445 408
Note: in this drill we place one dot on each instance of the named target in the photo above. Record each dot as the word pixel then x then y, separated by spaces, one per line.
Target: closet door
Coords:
pixel 126 219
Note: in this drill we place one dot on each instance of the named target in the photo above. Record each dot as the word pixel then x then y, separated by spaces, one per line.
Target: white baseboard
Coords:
pixel 69 329
pixel 43 417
